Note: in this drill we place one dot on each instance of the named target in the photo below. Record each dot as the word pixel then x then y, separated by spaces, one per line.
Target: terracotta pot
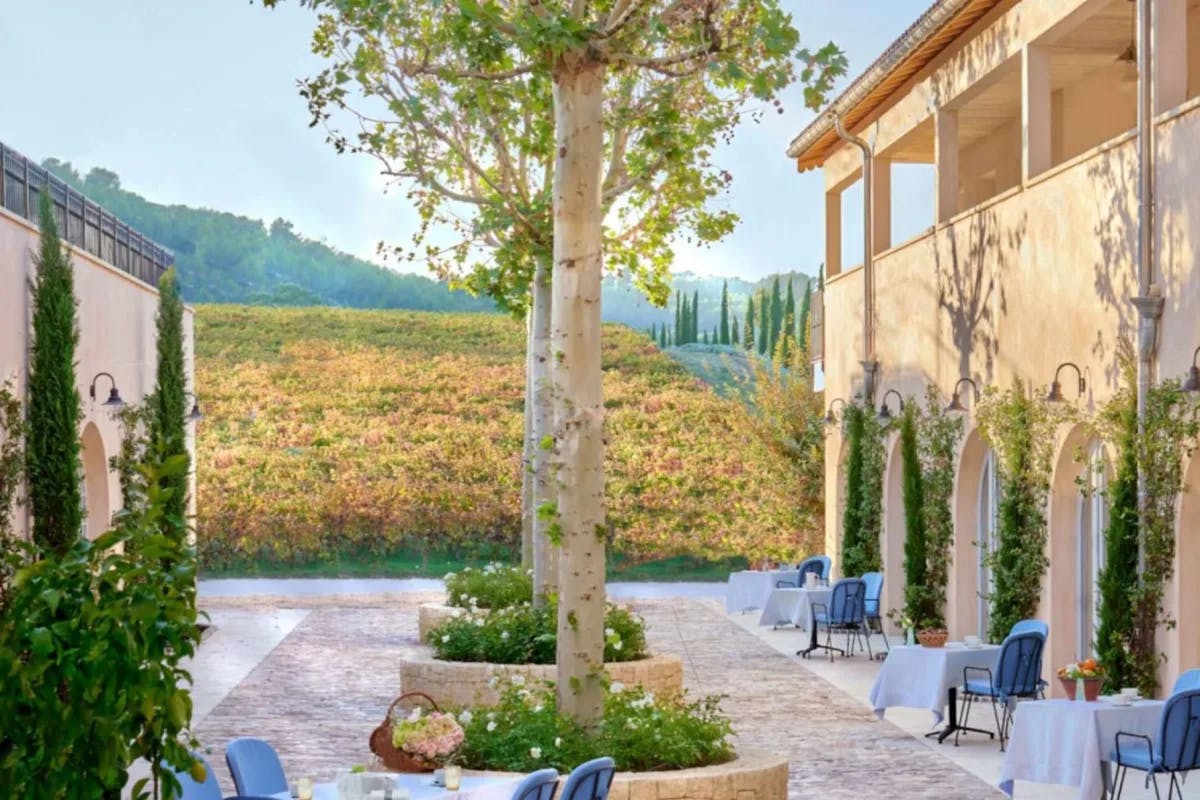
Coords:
pixel 1091 688
pixel 932 637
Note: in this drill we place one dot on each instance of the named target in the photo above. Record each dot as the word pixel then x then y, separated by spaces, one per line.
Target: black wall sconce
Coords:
pixel 114 397
pixel 1055 395
pixel 1192 384
pixel 955 403
pixel 830 417
pixel 885 415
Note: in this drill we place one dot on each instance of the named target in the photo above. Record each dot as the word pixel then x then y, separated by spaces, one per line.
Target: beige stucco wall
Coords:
pixel 1035 277
pixel 116 314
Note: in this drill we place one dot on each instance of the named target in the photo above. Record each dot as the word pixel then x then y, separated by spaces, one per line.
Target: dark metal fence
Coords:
pixel 81 222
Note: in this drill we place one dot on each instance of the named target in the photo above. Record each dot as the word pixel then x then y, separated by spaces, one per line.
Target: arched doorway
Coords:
pixel 894 531
pixel 94 483
pixel 976 493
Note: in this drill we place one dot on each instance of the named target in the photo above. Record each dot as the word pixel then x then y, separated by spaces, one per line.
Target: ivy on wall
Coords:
pixel 918 598
pixel 863 517
pixel 939 434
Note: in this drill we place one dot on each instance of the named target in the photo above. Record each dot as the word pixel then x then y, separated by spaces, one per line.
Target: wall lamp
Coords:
pixel 955 403
pixel 885 415
pixel 830 417
pixel 1055 395
pixel 1192 384
pixel 114 397
pixel 194 415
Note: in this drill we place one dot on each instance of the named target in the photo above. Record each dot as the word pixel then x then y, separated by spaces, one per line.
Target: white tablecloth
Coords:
pixel 420 787
pixel 750 589
pixel 921 677
pixel 1066 741
pixel 793 606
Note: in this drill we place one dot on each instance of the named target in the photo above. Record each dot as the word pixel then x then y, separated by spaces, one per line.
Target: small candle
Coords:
pixel 304 789
pixel 453 776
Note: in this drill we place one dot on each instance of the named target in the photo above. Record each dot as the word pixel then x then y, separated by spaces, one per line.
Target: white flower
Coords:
pixel 504 635
pixel 617 686
pixel 466 716
pixel 558 741
pixel 609 632
pixel 491 726
pixel 493 682
pixel 524 694
pixel 415 714
pixel 479 622
pixel 448 576
pixel 473 601
pixel 518 680
pixel 535 752
pixel 538 708
pixel 445 638
pixel 491 715
pixel 617 645
pixel 629 723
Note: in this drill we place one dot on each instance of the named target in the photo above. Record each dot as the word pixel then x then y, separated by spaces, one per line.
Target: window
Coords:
pixel 1093 521
pixel 989 491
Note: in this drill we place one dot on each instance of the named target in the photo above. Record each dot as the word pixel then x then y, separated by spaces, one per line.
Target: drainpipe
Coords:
pixel 870 364
pixel 1149 302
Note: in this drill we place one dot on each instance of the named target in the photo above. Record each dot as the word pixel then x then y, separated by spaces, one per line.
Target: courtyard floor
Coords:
pixel 313 673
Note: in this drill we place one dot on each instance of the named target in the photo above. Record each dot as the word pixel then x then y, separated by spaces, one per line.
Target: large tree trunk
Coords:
pixel 528 502
pixel 578 395
pixel 545 552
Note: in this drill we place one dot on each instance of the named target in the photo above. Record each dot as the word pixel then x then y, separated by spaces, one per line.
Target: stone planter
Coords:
pixel 753 775
pixel 463 683
pixel 431 615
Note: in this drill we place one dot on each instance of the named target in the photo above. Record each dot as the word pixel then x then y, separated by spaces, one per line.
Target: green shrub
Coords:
pixel 494 586
pixel 641 732
pixel 527 635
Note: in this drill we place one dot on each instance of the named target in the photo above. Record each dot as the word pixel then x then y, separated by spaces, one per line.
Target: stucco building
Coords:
pixel 1018 120
pixel 116 272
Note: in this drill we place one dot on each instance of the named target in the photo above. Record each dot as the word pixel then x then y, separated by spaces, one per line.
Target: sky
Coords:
pixel 195 102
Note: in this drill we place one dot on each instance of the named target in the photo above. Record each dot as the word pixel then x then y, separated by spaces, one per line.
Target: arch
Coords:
pixel 95 483
pixel 1183 644
pixel 895 530
pixel 1068 585
pixel 964 597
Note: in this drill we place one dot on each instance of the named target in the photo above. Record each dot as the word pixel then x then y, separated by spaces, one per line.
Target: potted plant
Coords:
pixel 931 635
pixel 1089 671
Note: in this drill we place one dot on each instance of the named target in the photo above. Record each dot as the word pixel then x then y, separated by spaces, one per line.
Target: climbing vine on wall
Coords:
pixel 863 518
pixel 1021 431
pixel 939 433
pixel 918 600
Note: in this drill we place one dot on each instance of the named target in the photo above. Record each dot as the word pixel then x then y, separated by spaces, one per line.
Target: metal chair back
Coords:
pixel 874 591
pixel 847 603
pixel 1031 626
pixel 1179 732
pixel 255 767
pixel 540 785
pixel 591 780
pixel 1186 681
pixel 1019 666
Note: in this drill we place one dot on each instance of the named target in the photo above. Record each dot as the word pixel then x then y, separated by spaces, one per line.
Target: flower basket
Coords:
pixel 393 757
pixel 932 637
pixel 1091 688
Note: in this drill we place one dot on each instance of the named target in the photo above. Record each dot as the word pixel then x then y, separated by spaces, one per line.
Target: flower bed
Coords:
pixel 458 684
pixel 494 586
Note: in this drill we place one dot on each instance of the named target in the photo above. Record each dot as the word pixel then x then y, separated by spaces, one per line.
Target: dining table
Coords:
pixel 420 786
pixel 1069 742
pixel 791 606
pixel 749 589
pixel 915 676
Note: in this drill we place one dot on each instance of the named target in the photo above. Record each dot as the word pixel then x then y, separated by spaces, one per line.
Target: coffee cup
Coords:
pixel 971 641
pixel 1131 693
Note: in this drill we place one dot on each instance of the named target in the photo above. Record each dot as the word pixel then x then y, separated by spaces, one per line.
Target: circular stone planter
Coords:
pixel 464 683
pixel 432 615
pixel 753 775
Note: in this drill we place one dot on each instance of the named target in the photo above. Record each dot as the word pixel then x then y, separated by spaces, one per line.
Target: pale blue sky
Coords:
pixel 194 101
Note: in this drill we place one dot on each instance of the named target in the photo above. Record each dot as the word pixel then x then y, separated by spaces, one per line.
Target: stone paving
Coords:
pixel 321 690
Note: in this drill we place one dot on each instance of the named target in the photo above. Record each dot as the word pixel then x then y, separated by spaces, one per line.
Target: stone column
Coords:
pixel 945 136
pixel 833 232
pixel 1170 54
pixel 881 203
pixel 1035 111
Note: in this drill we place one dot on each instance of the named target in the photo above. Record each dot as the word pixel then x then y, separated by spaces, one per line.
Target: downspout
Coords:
pixel 870 364
pixel 1149 301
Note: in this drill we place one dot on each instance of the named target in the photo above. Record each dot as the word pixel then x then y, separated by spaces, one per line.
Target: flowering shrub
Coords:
pixel 494 586
pixel 641 732
pixel 332 431
pixel 526 635
pixel 433 738
pixel 1087 669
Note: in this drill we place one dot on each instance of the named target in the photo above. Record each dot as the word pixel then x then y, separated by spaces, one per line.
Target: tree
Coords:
pixel 733 329
pixel 788 328
pixel 805 310
pixel 725 313
pixel 852 524
pixel 704 337
pixel 641 94
pixel 748 338
pixel 764 325
pixel 168 437
pixel 678 317
pixel 776 320
pixel 917 595
pixel 696 316
pixel 52 454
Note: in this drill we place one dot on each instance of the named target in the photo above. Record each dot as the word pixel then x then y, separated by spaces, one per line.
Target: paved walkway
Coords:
pixel 326 684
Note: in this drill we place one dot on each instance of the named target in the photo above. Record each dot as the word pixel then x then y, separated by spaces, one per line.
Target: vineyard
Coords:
pixel 330 432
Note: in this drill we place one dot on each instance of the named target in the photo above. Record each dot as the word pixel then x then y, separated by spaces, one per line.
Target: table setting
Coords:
pixel 449 784
pixel 793 606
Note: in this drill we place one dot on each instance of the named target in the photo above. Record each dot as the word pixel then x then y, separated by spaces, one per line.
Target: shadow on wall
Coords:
pixel 1114 176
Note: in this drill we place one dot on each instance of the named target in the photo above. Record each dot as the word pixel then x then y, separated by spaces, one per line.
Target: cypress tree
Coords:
pixel 695 316
pixel 733 331
pixel 52 453
pixel 725 313
pixel 852 515
pixel 916 593
pixel 776 316
pixel 764 324
pixel 662 336
pixel 678 316
pixel 788 330
pixel 705 337
pixel 748 339
pixel 653 331
pixel 805 310
pixel 686 323
pixel 716 337
pixel 169 402
pixel 821 277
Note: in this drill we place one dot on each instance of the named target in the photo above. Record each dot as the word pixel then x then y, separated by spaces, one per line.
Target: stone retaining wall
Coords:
pixel 461 683
pixel 753 775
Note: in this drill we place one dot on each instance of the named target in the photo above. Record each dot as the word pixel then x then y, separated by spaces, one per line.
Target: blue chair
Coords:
pixel 1018 674
pixel 255 767
pixel 846 613
pixel 1178 749
pixel 1043 630
pixel 209 789
pixel 872 605
pixel 540 785
pixel 815 564
pixel 591 780
pixel 1187 681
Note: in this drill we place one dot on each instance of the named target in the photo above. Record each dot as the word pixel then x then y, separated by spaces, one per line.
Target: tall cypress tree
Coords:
pixel 788 329
pixel 852 522
pixel 695 316
pixel 733 331
pixel 653 331
pixel 705 339
pixel 725 313
pixel 776 316
pixel 169 402
pixel 678 317
pixel 917 596
pixel 52 452
pixel 685 323
pixel 805 310
pixel 716 336
pixel 748 340
pixel 764 324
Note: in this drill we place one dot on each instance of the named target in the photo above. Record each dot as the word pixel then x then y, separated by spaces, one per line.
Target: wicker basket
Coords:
pixel 932 637
pixel 381 738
